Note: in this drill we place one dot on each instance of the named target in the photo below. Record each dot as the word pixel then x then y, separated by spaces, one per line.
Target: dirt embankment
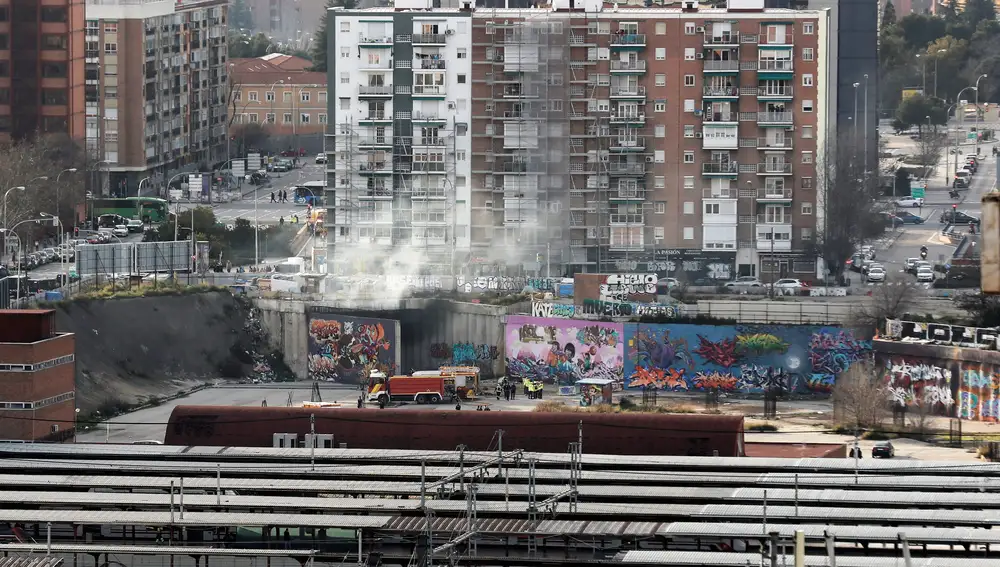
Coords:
pixel 131 350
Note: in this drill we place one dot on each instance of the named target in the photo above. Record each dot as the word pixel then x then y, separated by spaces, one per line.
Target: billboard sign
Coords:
pixel 172 256
pixel 103 259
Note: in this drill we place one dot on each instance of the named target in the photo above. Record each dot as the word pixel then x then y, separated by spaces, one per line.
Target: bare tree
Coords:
pixel 889 300
pixel 234 100
pixel 248 136
pixel 930 147
pixel 860 397
pixel 35 165
pixel 848 199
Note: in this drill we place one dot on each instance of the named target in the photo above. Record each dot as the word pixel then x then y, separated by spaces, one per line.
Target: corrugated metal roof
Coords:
pixel 954 517
pixel 701 558
pixel 841 533
pixel 30 561
pixel 153 550
pixel 194 519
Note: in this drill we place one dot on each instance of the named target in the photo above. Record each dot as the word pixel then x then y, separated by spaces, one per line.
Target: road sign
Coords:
pixel 917 192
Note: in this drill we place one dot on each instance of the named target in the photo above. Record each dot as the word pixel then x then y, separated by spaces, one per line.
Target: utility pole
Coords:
pixel 312 442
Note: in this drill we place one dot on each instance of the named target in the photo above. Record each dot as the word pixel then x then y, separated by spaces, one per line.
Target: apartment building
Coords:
pixel 279 92
pixel 399 140
pixel 156 88
pixel 670 140
pixel 41 45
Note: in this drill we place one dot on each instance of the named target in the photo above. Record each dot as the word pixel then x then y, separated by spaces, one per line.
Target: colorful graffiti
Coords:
pixel 747 358
pixel 563 351
pixel 341 347
pixel 954 388
pixel 919 383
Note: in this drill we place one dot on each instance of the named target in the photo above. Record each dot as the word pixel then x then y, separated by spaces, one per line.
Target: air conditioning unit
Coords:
pixel 649 159
pixel 449 32
pixel 699 55
pixel 451 105
pixel 697 134
pixel 699 29
pixel 489 203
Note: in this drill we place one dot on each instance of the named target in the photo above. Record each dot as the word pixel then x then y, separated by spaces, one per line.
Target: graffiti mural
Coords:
pixel 562 351
pixel 954 388
pixel 504 284
pixel 341 346
pixel 744 358
pixel 978 392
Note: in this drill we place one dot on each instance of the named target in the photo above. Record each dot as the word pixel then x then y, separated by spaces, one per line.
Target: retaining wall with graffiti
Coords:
pixel 742 358
pixel 341 346
pixel 562 351
pixel 941 380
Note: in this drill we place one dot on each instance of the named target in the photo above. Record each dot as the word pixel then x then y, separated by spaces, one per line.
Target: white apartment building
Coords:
pixel 399 140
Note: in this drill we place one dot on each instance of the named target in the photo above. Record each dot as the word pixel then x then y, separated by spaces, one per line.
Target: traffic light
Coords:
pixel 538 257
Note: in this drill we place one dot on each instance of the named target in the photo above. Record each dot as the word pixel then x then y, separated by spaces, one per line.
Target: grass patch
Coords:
pixel 122 290
pixel 765 427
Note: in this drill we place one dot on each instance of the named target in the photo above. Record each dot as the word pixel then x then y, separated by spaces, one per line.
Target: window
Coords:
pixel 661 131
pixel 345 103
pixel 345 78
pixel 463 53
pixel 807 106
pixel 111 48
pixel 806 233
pixel 110 27
pixel 49 41
pixel 286 118
pixel 58 96
pixel 688 207
pixel 109 92
pixel 286 96
pixel 688 80
pixel 807 208
pixel 659 156
pixel 345 26
pixel 660 106
pixel 345 52
pixel 322 118
pixel 54 14
pixel 807 132
pixel 253 117
pixel 807 157
pixel 660 207
pixel 460 155
pixel 689 130
pixel 50 70
pixel 661 53
pixel 110 70
pixel 461 129
pixel 269 118
pixel 807 54
pixel 461 79
pixel 689 182
pixel 269 96
pixel 807 80
pixel 238 96
pixel 689 52
pixel 322 96
pixel 711 208
pixel 659 181
pixel 689 28
pixel 688 233
pixel 807 28
pixel 556 105
pixel 304 118
pixel 658 232
pixel 688 157
pixel 252 96
pixel 661 28
pixel 490 28
pixel 304 96
pixel 661 80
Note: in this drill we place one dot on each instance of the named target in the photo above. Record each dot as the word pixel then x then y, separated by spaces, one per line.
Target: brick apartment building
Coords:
pixel 41 68
pixel 37 378
pixel 156 88
pixel 654 139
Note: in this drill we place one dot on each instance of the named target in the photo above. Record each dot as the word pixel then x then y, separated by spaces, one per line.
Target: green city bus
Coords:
pixel 146 209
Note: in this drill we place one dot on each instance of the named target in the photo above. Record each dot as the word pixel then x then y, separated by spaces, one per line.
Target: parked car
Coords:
pixel 910 265
pixel 925 274
pixel 907 217
pixel 910 202
pixel 957 217
pixel 320 158
pixel 875 274
pixel 870 265
pixel 857 262
pixel 134 225
pixel 869 251
pixel 883 450
pixel 790 283
pixel 744 283
pixel 960 182
pixel 121 231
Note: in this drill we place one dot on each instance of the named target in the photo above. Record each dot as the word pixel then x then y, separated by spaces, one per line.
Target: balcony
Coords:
pixel 628 92
pixel 775 118
pixel 376 193
pixel 428 167
pixel 517 91
pixel 772 93
pixel 630 218
pixel 774 144
pixel 628 144
pixel 628 67
pixel 774 168
pixel 710 193
pixel 375 118
pixel 720 92
pixel 375 141
pixel 382 91
pixel 774 220
pixel 774 195
pixel 518 167
pixel 724 39
pixel 785 38
pixel 627 168
pixel 428 39
pixel 628 194
pixel 719 117
pixel 628 41
pixel 719 136
pixel 723 66
pixel 774 66
pixel 375 168
pixel 432 142
pixel 375 42
pixel 628 119
pixel 766 244
pixel 428 64
pixel 431 119
pixel 720 168
pixel 428 91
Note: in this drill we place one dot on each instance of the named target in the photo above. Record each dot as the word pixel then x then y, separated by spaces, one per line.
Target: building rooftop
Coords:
pixel 275 67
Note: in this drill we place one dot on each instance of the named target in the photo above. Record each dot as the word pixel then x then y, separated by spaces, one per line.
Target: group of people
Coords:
pixel 282 196
pixel 293 220
pixel 506 388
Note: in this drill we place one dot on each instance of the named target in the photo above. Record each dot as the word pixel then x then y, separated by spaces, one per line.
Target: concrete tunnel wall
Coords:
pixel 433 332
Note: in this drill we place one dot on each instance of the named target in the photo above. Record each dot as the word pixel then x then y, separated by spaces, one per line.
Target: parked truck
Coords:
pixel 419 389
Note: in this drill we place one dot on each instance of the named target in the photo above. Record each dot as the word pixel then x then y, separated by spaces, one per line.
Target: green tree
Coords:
pixel 977 11
pixel 245 46
pixel 319 38
pixel 921 29
pixel 888 14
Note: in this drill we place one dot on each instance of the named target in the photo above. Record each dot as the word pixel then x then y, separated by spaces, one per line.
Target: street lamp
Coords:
pixel 981 77
pixel 169 181
pixel 62 253
pixel 856 85
pixel 866 173
pixel 68 170
pixel 18 188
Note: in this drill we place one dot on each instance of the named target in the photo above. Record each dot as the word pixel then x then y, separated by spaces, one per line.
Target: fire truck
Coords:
pixel 420 389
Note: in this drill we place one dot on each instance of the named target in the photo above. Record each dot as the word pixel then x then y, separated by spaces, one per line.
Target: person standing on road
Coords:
pixel 272 197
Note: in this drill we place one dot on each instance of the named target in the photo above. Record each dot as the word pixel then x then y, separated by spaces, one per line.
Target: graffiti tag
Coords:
pixel 505 284
pixel 557 310
pixel 617 287
pixel 468 353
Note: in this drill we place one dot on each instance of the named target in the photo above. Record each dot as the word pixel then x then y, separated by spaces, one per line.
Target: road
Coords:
pixel 266 211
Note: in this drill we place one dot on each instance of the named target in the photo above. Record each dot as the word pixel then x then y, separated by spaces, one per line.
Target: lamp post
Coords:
pixel 139 189
pixel 856 85
pixel 169 181
pixel 68 170
pixel 18 188
pixel 865 172
pixel 981 77
pixel 274 96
